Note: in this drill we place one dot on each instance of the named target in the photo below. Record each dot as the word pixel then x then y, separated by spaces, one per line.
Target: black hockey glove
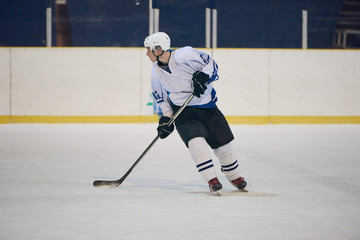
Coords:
pixel 163 129
pixel 199 82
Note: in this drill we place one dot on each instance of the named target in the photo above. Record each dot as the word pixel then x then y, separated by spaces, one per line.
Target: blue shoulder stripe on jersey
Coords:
pixel 206 60
pixel 214 76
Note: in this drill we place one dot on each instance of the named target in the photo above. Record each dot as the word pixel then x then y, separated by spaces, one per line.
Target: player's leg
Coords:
pixel 219 138
pixel 199 151
pixel 230 165
pixel 193 133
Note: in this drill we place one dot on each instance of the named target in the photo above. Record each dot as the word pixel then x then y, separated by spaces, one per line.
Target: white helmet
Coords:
pixel 158 39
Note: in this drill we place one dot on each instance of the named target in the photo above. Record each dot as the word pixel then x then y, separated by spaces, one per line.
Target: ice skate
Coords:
pixel 215 186
pixel 240 184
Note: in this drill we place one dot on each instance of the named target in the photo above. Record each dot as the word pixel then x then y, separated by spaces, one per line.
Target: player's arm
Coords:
pixel 206 71
pixel 162 100
pixel 202 62
pixel 161 97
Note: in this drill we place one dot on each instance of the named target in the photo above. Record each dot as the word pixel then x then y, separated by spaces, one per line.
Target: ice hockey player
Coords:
pixel 176 75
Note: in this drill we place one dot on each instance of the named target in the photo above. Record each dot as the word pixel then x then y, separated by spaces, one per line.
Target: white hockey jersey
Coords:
pixel 173 83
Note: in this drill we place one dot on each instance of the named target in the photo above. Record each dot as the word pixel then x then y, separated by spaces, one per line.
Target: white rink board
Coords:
pixel 116 82
pixel 315 83
pixel 4 81
pixel 243 88
pixel 67 81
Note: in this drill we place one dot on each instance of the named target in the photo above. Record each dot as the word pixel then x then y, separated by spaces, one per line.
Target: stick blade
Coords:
pixel 106 183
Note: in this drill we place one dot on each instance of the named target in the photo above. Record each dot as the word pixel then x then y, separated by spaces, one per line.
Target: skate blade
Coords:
pixel 217 193
pixel 244 190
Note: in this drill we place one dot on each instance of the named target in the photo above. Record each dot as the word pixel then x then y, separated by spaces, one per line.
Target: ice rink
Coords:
pixel 303 182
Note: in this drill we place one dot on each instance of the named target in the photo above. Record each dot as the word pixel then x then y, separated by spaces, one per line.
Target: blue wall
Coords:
pixel 124 23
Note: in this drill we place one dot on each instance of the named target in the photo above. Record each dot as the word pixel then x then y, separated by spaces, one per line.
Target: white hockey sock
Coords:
pixel 229 164
pixel 199 151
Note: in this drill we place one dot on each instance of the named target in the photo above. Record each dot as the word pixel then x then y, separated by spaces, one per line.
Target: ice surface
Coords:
pixel 303 183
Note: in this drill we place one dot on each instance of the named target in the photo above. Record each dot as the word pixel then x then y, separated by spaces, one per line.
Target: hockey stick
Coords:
pixel 115 183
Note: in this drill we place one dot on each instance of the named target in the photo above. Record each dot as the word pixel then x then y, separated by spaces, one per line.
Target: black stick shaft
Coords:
pixel 99 183
pixel 138 160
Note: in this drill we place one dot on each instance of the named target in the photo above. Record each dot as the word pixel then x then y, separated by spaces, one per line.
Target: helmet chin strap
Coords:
pixel 157 56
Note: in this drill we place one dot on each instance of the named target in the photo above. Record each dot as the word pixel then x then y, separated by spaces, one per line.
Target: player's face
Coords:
pixel 151 55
